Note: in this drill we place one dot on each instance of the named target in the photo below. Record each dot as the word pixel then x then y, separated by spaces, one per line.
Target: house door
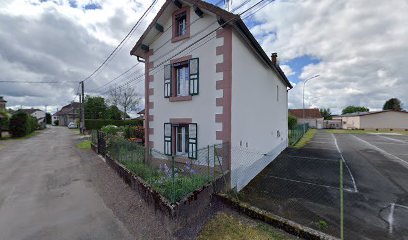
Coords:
pixel 181 139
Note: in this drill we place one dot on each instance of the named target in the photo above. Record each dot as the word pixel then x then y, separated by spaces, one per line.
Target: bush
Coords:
pixel 97 124
pixel 134 132
pixel 22 124
pixel 4 122
pixel 292 122
pixel 110 129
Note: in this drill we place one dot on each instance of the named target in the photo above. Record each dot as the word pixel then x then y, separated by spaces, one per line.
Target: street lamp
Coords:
pixel 304 84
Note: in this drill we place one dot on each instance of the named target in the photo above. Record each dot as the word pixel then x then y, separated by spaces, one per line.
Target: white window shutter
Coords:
pixel 167 80
pixel 192 140
pixel 167 138
pixel 194 76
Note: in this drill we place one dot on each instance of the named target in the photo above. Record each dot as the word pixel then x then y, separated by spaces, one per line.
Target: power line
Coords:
pixel 121 42
pixel 11 81
pixel 200 39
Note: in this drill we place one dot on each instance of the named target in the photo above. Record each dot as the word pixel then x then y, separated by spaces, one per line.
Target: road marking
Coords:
pixel 393 139
pixel 315 158
pixel 320 142
pixel 319 148
pixel 391 217
pixel 344 161
pixel 393 157
pixel 309 183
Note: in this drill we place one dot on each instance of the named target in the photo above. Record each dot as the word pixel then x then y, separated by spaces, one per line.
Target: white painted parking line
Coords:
pixel 310 183
pixel 393 139
pixel 391 217
pixel 388 143
pixel 391 156
pixel 319 148
pixel 344 161
pixel 320 142
pixel 314 158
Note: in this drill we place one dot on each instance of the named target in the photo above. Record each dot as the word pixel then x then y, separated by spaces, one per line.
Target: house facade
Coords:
pixel 68 113
pixel 381 120
pixel 208 82
pixel 310 116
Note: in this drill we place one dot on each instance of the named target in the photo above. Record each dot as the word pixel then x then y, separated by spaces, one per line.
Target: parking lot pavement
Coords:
pixel 303 185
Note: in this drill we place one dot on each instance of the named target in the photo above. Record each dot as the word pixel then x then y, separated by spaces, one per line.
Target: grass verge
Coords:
pixel 84 144
pixel 226 226
pixel 305 139
pixel 9 137
pixel 358 131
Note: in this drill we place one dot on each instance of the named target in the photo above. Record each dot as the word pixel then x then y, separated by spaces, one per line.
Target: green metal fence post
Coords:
pixel 208 162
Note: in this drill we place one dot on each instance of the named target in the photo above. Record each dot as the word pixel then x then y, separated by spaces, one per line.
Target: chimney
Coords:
pixel 274 58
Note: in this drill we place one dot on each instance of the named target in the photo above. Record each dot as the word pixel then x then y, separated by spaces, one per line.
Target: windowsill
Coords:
pixel 179 38
pixel 180 98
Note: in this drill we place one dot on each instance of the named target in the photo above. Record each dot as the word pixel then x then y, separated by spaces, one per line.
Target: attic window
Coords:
pixel 181 24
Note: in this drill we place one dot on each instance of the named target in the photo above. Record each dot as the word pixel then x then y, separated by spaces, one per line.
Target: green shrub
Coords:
pixel 97 124
pixel 22 124
pixel 134 132
pixel 292 121
pixel 110 129
pixel 4 121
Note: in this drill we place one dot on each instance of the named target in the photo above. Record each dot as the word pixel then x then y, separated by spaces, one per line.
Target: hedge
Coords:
pixel 96 124
pixel 22 124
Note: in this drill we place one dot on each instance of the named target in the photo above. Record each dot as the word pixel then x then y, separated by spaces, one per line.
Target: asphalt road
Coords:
pixel 303 185
pixel 45 194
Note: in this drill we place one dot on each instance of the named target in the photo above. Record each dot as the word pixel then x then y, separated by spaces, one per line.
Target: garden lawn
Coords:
pixel 226 226
pixel 305 139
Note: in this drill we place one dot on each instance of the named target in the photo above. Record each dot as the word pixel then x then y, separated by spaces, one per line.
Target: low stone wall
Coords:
pixel 174 216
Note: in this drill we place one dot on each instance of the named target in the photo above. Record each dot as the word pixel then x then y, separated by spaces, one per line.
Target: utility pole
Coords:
pixel 82 107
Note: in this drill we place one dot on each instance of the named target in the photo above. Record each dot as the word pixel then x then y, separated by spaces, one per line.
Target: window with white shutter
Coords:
pixel 194 72
pixel 192 140
pixel 167 138
pixel 167 80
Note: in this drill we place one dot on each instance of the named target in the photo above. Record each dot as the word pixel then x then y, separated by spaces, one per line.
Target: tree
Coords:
pixel 113 113
pixel 48 118
pixel 127 99
pixel 393 104
pixel 353 109
pixel 95 107
pixel 326 113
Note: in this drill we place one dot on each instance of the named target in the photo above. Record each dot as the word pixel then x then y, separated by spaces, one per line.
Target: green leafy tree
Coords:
pixel 292 121
pixel 393 104
pixel 95 107
pixel 353 109
pixel 113 113
pixel 326 113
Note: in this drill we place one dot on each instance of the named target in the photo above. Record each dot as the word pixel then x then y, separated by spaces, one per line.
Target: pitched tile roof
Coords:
pixel 309 113
pixel 29 110
pixel 68 109
pixel 231 19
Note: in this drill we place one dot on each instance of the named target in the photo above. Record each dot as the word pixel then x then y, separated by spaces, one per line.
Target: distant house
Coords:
pixel 386 120
pixel 37 113
pixel 311 116
pixel 67 114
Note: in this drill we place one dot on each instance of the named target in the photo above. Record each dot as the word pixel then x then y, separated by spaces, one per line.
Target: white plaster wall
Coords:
pixel 385 120
pixel 38 114
pixel 257 115
pixel 313 122
pixel 202 108
pixel 351 122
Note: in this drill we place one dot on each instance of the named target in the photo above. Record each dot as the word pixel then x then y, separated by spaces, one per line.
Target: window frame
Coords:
pixel 175 36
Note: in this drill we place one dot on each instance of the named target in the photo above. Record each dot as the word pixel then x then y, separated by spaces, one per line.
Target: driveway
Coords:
pixel 45 194
pixel 303 185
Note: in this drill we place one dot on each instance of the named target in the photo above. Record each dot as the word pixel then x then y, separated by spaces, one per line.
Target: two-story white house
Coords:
pixel 208 81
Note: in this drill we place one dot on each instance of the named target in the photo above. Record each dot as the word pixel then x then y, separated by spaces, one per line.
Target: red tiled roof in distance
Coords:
pixel 309 113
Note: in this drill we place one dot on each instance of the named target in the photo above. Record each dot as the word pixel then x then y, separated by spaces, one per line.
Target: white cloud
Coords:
pixel 361 45
pixel 287 70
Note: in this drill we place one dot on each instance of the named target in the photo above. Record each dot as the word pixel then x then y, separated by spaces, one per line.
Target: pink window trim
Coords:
pixel 175 98
pixel 176 38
